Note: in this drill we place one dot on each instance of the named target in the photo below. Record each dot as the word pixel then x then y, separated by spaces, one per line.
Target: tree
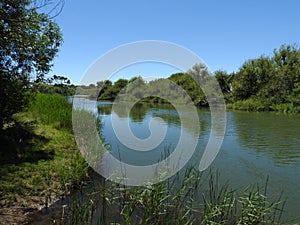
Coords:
pixel 103 86
pixel 202 76
pixel 272 80
pixel 245 82
pixel 285 85
pixel 120 84
pixel 109 91
pixel 186 82
pixel 224 80
pixel 252 77
pixel 29 40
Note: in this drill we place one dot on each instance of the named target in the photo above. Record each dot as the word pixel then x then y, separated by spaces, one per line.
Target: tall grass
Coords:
pixel 42 162
pixel 185 200
pixel 52 110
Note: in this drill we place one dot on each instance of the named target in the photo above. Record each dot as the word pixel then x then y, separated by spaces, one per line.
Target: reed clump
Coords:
pixel 189 198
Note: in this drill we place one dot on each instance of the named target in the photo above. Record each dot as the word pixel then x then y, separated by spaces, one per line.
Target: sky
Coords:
pixel 224 34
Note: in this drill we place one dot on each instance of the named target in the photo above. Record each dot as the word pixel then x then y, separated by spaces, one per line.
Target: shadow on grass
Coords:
pixel 20 144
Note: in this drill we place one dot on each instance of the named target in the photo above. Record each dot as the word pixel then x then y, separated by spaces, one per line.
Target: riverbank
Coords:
pixel 40 162
pixel 249 105
pixel 263 105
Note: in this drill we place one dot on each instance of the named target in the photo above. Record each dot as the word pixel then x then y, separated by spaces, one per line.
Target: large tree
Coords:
pixel 29 40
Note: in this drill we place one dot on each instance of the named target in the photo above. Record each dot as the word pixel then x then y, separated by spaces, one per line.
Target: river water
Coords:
pixel 257 145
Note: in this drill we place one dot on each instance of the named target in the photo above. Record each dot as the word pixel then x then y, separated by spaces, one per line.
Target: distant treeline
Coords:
pixel 54 85
pixel 268 83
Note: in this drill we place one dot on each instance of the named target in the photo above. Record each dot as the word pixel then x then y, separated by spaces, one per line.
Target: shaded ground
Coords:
pixel 38 164
pixel 19 143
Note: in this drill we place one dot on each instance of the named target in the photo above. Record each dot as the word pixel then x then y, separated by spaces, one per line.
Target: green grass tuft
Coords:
pixel 52 110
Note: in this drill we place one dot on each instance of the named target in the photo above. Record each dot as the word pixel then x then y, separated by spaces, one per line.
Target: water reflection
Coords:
pixel 265 133
pixel 274 134
pixel 104 108
pixel 256 145
pixel 168 113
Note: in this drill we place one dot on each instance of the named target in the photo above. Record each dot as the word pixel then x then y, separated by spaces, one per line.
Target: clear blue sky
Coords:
pixel 223 33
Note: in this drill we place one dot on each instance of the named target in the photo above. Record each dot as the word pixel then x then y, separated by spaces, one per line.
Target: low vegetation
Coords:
pixel 259 105
pixel 190 198
pixel 44 165
pixel 40 161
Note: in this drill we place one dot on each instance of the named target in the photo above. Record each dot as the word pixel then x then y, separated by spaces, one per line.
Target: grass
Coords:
pixel 180 200
pixel 40 161
pixel 52 110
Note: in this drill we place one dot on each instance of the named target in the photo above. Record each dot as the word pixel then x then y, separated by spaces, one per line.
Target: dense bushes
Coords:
pixel 263 105
pixel 269 83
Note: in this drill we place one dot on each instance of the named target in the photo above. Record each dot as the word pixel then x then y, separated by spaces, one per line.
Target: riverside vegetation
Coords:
pixel 188 198
pixel 263 84
pixel 40 161
pixel 44 164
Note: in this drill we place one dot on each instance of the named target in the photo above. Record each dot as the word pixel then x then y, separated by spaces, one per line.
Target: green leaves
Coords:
pixel 29 41
pixel 274 78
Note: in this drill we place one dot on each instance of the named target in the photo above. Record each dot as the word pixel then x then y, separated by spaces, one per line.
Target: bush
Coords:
pixel 263 105
pixel 250 105
pixel 286 108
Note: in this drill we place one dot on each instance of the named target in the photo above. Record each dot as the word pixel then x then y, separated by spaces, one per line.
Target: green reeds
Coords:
pixel 193 198
pixel 52 110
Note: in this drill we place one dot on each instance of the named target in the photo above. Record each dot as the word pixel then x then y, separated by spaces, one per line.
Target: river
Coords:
pixel 257 145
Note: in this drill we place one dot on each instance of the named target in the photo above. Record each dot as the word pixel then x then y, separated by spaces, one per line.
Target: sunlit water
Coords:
pixel 256 146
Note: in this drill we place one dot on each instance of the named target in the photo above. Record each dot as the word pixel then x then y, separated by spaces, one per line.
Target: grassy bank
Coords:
pixel 40 161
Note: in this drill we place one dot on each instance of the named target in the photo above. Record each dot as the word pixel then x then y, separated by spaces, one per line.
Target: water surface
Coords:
pixel 256 146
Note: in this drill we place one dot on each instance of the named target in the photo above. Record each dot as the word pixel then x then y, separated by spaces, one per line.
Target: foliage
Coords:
pixel 136 88
pixel 110 92
pixel 252 104
pixel 175 201
pixel 271 81
pixel 262 84
pixel 42 162
pixel 29 41
pixel 185 81
pixel 52 110
pixel 224 80
pixel 55 85
pixel 64 90
pixel 14 96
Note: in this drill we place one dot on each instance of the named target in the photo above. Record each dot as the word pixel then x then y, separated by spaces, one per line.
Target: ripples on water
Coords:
pixel 256 145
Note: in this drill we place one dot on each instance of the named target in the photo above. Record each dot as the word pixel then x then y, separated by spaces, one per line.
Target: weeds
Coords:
pixel 177 201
